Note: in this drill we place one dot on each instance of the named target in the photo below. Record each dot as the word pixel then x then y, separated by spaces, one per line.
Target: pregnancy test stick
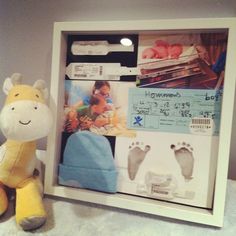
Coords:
pixel 99 71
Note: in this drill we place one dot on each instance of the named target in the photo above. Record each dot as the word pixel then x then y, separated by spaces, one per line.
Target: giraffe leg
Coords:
pixel 30 213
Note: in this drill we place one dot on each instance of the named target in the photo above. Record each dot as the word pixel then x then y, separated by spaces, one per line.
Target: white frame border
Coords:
pixel 212 217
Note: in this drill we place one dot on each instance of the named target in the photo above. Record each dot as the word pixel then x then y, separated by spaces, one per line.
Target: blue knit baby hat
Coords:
pixel 88 163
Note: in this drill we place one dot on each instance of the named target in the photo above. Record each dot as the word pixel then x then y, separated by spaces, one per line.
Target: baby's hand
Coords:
pixel 71 126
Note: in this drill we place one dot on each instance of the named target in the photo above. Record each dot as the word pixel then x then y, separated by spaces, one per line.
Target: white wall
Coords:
pixel 26 31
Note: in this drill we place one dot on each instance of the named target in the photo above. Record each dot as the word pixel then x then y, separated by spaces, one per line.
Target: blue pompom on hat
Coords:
pixel 88 163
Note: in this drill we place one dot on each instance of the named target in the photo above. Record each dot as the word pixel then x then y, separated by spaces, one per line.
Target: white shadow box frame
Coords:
pixel 212 217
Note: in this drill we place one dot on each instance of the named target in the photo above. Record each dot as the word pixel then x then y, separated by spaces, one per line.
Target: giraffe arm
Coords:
pixel 2 152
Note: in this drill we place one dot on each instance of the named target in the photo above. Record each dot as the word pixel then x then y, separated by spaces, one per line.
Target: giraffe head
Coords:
pixel 25 115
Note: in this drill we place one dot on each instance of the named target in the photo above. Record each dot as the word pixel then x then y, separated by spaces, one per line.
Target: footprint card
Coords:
pixel 168 166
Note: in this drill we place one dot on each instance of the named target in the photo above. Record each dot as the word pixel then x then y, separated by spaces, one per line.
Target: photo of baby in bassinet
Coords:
pixel 189 61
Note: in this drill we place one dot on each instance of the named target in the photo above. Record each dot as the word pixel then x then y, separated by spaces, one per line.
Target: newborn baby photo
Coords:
pixel 183 60
pixel 97 106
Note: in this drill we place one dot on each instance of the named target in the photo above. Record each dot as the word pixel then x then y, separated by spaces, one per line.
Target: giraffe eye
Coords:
pixel 17 94
pixel 37 95
pixel 35 108
pixel 13 108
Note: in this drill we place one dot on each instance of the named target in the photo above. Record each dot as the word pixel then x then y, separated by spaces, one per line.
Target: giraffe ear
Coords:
pixel 7 85
pixel 15 79
pixel 41 86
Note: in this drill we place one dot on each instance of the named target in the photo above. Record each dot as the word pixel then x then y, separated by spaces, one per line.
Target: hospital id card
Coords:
pixel 190 111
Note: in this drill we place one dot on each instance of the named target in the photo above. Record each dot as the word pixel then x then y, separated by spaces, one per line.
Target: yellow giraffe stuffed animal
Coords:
pixel 24 118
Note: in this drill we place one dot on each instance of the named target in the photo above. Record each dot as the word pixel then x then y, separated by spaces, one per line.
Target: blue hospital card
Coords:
pixel 190 111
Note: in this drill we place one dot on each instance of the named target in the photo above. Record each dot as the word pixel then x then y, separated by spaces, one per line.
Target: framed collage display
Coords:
pixel 143 115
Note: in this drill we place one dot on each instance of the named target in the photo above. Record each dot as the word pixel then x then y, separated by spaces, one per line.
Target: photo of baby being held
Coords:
pixel 97 106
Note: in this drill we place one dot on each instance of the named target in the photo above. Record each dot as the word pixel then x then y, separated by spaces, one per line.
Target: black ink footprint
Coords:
pixel 135 157
pixel 184 156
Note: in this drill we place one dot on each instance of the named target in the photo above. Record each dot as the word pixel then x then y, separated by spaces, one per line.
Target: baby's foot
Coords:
pixel 184 156
pixel 135 158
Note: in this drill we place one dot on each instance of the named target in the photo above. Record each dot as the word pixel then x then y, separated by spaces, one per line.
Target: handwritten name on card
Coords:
pixel 175 110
